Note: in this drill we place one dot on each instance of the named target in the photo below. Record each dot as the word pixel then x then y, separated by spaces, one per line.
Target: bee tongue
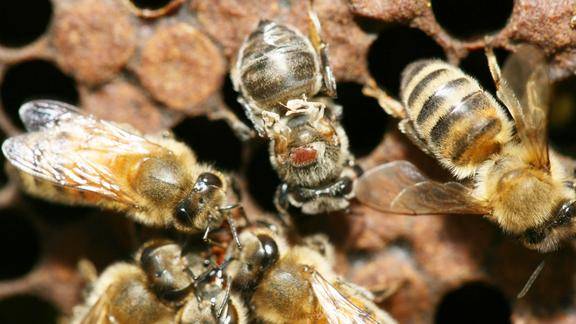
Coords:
pixel 303 155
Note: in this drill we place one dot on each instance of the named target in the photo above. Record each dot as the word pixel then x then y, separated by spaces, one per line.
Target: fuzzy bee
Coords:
pixel 77 159
pixel 279 74
pixel 514 178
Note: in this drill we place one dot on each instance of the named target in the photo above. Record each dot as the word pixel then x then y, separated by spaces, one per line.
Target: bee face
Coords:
pixel 200 209
pixel 165 268
pixel 559 226
pixel 258 254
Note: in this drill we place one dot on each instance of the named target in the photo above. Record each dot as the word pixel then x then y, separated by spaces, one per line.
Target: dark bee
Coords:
pixel 276 73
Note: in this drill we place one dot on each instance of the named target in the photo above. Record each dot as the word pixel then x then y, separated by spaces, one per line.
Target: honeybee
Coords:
pixel 277 70
pixel 77 159
pixel 515 179
pixel 159 288
pixel 295 284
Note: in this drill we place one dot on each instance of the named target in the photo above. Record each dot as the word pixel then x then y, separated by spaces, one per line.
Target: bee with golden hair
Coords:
pixel 515 179
pixel 296 284
pixel 77 159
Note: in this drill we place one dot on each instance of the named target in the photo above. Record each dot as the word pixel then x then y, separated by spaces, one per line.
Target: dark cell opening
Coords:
pixel 474 302
pixel 57 214
pixel 22 22
pixel 20 244
pixel 363 119
pixel 27 309
pixel 212 141
pixel 3 176
pixel 467 19
pixel 151 4
pixel 563 117
pixel 231 100
pixel 35 79
pixel 476 65
pixel 396 47
pixel 263 179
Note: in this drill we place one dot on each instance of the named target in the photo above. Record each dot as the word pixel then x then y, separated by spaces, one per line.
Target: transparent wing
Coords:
pixel 526 72
pixel 100 312
pixel 399 187
pixel 42 114
pixel 337 308
pixel 77 151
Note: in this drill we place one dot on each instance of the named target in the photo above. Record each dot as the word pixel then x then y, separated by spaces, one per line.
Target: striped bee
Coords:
pixel 296 283
pixel 278 74
pixel 516 180
pixel 159 287
pixel 76 159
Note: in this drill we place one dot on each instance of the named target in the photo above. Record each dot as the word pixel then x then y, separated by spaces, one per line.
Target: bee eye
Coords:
pixel 565 213
pixel 182 213
pixel 269 251
pixel 206 181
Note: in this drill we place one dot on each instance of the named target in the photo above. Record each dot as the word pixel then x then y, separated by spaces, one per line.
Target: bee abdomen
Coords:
pixel 277 63
pixel 459 121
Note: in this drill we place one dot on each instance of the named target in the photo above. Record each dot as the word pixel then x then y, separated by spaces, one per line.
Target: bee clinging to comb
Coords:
pixel 515 179
pixel 77 159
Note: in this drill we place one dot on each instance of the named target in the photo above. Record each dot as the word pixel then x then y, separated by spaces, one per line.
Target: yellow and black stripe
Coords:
pixel 461 124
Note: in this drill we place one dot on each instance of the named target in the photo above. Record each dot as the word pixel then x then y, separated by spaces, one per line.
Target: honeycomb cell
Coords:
pixel 476 65
pixel 27 309
pixel 34 79
pixel 123 102
pixel 563 117
pixel 396 47
pixel 94 39
pixel 466 19
pixel 474 302
pixel 363 119
pixel 153 8
pixel 212 141
pixel 19 25
pixel 264 179
pixel 21 245
pixel 188 73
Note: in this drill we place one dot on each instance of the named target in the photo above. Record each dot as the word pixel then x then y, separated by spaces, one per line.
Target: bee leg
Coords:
pixel 233 230
pixel 281 203
pixel 87 270
pixel 503 90
pixel 208 240
pixel 249 112
pixel 242 131
pixel 390 105
pixel 407 128
pixel 315 36
pixel 223 306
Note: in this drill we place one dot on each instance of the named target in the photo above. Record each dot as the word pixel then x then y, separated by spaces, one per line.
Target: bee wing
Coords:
pixel 100 312
pixel 527 74
pixel 75 150
pixel 43 114
pixel 337 308
pixel 399 187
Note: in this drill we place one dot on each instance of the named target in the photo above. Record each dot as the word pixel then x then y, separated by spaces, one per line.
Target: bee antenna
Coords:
pixel 531 280
pixel 225 300
pixel 233 230
pixel 229 207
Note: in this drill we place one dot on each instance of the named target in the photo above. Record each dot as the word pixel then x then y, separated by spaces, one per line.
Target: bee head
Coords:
pixel 561 225
pixel 199 209
pixel 259 252
pixel 166 270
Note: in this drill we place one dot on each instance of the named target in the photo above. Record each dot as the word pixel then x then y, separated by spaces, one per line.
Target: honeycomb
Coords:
pixel 162 64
